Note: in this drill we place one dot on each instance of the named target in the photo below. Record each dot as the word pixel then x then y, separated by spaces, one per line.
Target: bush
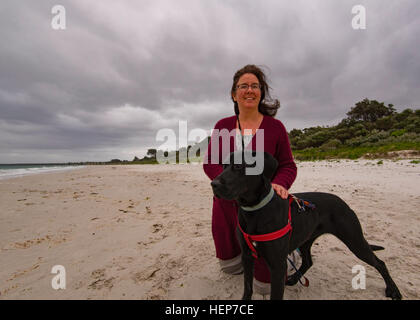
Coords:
pixel 320 138
pixel 385 123
pixel 403 115
pixel 331 145
pixel 414 126
pixel 398 133
pixel 376 136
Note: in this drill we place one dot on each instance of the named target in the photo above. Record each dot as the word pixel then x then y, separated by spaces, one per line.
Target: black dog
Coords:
pixel 331 215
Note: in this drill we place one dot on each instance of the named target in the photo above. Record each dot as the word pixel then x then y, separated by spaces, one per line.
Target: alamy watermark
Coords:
pixel 58 21
pixel 58 281
pixel 221 146
pixel 359 280
pixel 359 20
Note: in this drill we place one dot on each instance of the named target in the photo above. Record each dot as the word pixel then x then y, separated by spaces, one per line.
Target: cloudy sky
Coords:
pixel 122 70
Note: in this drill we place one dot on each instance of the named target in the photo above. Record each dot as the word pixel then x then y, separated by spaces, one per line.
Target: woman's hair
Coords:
pixel 267 105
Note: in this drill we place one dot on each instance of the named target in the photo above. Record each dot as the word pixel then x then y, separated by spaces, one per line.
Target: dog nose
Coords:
pixel 215 184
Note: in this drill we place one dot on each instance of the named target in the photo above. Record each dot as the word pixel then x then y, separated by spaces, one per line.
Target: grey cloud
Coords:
pixel 121 71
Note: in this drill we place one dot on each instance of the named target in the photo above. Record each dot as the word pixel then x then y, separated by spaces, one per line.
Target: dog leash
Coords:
pixel 302 204
pixel 306 284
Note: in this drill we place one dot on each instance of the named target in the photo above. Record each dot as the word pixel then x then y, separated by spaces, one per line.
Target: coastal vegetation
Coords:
pixel 371 130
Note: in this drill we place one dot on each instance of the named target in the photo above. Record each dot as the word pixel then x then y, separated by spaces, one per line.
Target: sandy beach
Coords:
pixel 144 232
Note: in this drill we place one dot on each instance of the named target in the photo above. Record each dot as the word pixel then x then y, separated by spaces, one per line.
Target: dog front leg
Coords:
pixel 278 278
pixel 248 265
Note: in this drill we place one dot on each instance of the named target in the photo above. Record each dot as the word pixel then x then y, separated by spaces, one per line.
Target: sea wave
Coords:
pixel 18 172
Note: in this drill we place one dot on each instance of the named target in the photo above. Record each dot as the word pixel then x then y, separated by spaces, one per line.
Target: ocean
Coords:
pixel 18 170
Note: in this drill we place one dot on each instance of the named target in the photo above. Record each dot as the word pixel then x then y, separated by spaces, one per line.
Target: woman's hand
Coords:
pixel 281 191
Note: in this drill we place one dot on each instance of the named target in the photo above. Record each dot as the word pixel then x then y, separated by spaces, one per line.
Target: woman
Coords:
pixel 256 110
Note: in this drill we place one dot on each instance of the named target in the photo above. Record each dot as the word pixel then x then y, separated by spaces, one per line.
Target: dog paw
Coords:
pixel 393 293
pixel 247 296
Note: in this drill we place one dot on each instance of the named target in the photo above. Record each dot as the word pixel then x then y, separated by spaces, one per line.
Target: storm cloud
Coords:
pixel 119 72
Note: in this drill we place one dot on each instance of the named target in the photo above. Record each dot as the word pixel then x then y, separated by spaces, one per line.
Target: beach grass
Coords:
pixel 311 154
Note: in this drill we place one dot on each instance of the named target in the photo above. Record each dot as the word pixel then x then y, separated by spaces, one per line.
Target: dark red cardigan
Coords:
pixel 276 142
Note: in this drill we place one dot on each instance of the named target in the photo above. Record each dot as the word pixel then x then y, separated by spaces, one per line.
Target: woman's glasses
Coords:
pixel 244 86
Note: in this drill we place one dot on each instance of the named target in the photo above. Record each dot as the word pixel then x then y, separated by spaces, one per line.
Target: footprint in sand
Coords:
pixel 145 274
pixel 100 280
pixel 157 227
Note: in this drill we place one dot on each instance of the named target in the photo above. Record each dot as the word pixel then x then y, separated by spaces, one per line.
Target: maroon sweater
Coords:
pixel 276 142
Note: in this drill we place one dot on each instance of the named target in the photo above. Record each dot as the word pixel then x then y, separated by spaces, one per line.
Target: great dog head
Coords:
pixel 243 174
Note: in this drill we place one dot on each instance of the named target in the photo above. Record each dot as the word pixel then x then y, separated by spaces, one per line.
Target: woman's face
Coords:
pixel 247 96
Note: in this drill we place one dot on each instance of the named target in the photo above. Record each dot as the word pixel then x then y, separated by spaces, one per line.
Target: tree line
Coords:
pixel 370 126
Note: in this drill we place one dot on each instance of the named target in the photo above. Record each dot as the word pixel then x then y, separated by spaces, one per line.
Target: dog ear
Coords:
pixel 270 166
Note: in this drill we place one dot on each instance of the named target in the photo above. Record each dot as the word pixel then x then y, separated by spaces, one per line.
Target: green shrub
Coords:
pixel 398 133
pixel 331 145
